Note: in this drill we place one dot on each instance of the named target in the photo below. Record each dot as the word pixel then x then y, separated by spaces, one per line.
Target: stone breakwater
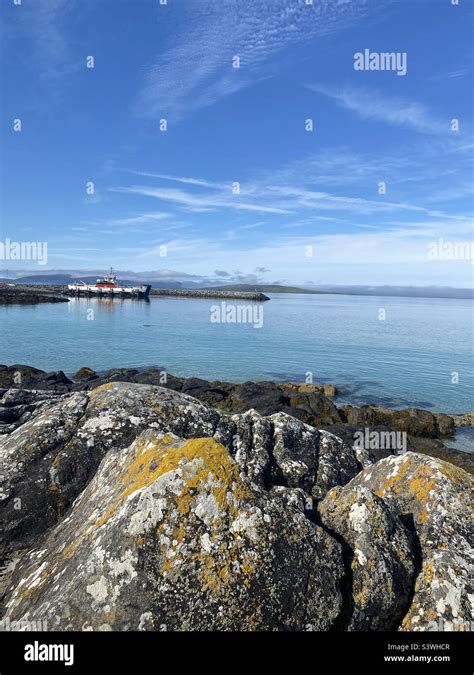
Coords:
pixel 209 293
pixel 135 507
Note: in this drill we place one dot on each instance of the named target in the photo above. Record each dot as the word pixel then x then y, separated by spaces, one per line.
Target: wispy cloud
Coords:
pixel 295 189
pixel 372 105
pixel 178 179
pixel 199 203
pixel 137 220
pixel 195 70
pixel 44 23
pixel 451 74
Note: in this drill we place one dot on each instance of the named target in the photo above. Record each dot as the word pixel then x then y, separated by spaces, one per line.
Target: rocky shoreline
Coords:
pixel 131 506
pixel 313 404
pixel 28 295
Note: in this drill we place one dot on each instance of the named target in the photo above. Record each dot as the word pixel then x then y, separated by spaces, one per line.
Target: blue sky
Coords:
pixel 246 125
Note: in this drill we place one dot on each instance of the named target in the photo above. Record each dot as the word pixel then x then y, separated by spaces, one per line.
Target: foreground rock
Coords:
pixel 49 459
pixel 380 552
pixel 435 501
pixel 133 507
pixel 168 536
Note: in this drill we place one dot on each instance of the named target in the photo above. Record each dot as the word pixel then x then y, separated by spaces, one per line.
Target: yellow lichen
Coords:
pixel 103 387
pixel 157 457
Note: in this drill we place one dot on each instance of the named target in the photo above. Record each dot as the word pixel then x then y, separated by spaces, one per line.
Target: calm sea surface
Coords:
pixel 410 358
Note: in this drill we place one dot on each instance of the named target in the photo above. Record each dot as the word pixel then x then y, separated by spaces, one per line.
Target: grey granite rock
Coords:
pixel 135 507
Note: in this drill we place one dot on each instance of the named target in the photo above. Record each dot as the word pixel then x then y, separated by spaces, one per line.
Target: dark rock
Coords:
pixel 57 377
pixel 466 420
pixel 411 420
pixel 445 424
pixel 34 379
pixel 85 374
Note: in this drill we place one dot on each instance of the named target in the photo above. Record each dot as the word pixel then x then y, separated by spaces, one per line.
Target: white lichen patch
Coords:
pixel 248 523
pixel 358 517
pixel 98 590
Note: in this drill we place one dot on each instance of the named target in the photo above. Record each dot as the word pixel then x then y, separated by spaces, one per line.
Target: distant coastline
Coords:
pixel 56 282
pixel 389 291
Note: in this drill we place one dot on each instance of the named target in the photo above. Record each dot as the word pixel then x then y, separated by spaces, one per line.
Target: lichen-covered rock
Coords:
pixel 17 406
pixel 281 450
pixel 438 450
pixel 435 499
pixel 251 440
pixel 47 461
pixel 169 536
pixel 50 458
pixel 131 506
pixel 30 492
pixel 338 463
pixel 380 552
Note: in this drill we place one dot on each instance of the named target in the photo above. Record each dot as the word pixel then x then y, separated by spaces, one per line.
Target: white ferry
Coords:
pixel 108 286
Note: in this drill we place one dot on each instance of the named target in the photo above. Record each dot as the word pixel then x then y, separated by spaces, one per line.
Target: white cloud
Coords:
pixel 138 220
pixel 371 105
pixel 198 203
pixel 195 69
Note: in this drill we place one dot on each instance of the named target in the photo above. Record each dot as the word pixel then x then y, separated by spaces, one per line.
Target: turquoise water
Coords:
pixel 408 359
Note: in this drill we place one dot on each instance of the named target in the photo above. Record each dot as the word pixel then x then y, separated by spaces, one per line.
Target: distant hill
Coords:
pixel 44 279
pixel 266 288
pixel 403 291
pixel 389 291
